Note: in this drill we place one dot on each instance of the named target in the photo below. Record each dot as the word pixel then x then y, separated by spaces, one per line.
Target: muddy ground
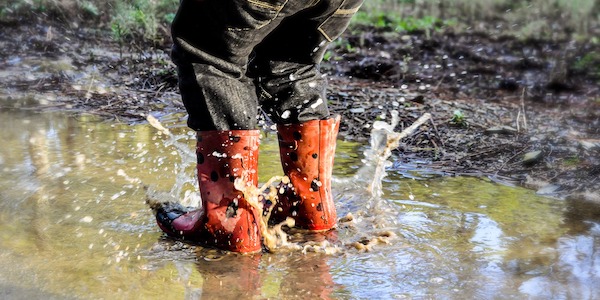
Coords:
pixel 519 111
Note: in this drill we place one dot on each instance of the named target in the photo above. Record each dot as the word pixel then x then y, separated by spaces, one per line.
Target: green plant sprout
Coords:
pixel 459 119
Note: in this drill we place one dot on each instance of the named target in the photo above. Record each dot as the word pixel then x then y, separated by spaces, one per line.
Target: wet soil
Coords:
pixel 520 111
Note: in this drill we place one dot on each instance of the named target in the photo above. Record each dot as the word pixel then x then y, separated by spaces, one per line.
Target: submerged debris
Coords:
pixel 367 243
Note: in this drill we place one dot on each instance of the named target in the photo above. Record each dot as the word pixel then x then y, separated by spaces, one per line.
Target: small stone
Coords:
pixel 357 110
pixel 532 157
pixel 548 189
pixel 589 144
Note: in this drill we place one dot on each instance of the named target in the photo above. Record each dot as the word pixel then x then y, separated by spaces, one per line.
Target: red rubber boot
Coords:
pixel 307 151
pixel 226 220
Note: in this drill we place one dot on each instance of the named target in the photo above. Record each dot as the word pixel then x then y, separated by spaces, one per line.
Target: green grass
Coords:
pixel 534 18
pixel 126 19
pixel 571 161
pixel 397 22
pixel 147 19
pixel 589 63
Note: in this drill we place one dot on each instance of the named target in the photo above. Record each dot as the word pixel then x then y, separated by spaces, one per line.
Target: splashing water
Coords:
pixel 383 140
pixel 273 237
pixel 375 212
pixel 182 179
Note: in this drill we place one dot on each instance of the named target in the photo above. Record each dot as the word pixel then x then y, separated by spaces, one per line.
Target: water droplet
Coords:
pixel 319 102
pixel 217 154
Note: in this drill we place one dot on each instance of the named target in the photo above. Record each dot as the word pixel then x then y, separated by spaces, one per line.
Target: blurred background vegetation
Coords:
pixel 149 20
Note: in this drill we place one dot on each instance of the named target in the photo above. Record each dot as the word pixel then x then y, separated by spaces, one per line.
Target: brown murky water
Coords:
pixel 74 224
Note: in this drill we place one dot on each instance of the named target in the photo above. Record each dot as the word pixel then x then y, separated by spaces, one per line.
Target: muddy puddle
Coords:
pixel 74 224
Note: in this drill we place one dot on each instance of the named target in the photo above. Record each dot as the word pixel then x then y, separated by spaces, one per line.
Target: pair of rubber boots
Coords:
pixel 226 220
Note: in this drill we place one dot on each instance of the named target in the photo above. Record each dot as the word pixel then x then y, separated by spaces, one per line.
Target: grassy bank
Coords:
pixel 149 19
pixel 146 20
pixel 535 18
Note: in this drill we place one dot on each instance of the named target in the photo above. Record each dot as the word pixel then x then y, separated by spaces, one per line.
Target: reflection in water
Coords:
pixel 230 277
pixel 38 201
pixel 74 224
pixel 578 257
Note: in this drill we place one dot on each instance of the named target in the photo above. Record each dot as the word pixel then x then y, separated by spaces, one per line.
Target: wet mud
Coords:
pixel 521 111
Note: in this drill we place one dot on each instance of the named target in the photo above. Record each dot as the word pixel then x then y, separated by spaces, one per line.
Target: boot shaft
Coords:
pixel 307 153
pixel 223 157
pixel 229 222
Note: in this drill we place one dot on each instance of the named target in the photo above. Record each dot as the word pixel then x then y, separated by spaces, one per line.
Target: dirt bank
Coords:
pixel 518 111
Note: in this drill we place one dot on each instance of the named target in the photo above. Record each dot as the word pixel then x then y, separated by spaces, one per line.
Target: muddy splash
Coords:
pixel 276 238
